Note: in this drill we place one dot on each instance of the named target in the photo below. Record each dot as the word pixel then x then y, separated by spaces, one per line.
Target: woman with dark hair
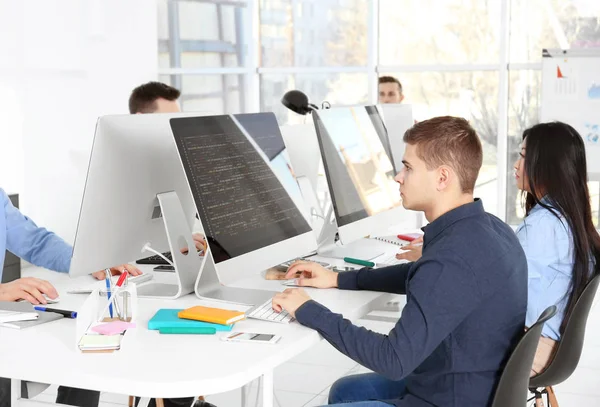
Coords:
pixel 559 239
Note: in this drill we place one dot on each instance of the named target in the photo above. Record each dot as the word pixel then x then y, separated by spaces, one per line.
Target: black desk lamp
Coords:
pixel 297 101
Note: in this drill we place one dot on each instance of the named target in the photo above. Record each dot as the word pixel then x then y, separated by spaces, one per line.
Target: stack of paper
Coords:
pixel 96 343
pixel 19 315
pixel 14 316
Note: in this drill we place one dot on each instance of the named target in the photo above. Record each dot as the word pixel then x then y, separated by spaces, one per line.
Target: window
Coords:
pixel 539 24
pixel 438 31
pixel 536 25
pixel 195 35
pixel 231 56
pixel 313 33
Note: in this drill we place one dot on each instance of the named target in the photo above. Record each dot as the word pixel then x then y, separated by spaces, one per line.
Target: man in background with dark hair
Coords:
pixel 466 297
pixel 390 90
pixel 154 97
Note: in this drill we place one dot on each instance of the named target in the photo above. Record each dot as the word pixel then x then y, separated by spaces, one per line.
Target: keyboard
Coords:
pixel 389 261
pixel 156 259
pixel 265 312
pixel 142 278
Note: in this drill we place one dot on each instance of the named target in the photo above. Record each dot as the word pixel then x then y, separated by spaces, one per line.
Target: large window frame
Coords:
pixel 250 72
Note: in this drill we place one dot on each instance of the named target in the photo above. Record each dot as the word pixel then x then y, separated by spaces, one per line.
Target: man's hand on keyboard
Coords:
pixel 132 270
pixel 312 275
pixel 413 251
pixel 290 300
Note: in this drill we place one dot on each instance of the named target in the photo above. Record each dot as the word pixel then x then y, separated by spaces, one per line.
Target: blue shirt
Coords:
pixel 466 300
pixel 20 236
pixel 547 244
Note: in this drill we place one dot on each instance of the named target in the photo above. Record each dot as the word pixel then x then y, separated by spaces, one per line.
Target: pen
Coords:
pixel 122 278
pixel 66 314
pixel 359 262
pixel 108 275
pixel 188 330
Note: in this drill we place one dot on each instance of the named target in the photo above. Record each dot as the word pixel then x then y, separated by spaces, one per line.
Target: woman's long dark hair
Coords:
pixel 556 168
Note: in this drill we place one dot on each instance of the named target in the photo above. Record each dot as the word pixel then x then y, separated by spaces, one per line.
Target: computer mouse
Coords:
pixel 50 300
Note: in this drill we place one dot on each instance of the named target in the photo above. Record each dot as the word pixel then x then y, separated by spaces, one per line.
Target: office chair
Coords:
pixel 513 384
pixel 570 346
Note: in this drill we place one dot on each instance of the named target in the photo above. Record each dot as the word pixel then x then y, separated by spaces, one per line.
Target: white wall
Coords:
pixel 63 63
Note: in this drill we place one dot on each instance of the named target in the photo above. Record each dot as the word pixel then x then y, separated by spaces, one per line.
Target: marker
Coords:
pixel 359 262
pixel 198 330
pixel 407 238
pixel 64 313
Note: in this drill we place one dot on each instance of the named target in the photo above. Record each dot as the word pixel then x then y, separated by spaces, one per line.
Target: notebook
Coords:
pixel 391 239
pixel 167 318
pixel 13 316
pixel 100 342
pixel 214 315
pixel 25 307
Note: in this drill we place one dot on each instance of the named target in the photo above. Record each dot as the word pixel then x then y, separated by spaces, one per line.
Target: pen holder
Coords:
pixel 123 303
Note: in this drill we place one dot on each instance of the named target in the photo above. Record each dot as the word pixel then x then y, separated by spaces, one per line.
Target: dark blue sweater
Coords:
pixel 466 299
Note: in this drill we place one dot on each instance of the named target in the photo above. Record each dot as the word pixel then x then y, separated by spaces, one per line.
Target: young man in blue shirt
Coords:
pixel 466 297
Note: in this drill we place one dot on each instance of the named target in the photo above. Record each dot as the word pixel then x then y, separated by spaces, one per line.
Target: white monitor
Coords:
pixel 397 118
pixel 302 147
pixel 360 174
pixel 134 186
pixel 247 199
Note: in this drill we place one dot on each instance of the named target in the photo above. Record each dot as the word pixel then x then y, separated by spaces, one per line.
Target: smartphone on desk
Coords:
pixel 164 268
pixel 251 338
pixel 341 269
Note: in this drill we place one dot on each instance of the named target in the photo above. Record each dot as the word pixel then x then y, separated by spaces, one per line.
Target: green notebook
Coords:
pixel 167 318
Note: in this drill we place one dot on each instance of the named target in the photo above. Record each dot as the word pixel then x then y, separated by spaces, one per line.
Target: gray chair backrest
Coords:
pixel 513 386
pixel 570 346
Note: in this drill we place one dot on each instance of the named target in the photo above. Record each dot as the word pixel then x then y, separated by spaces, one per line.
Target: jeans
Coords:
pixel 66 395
pixel 364 390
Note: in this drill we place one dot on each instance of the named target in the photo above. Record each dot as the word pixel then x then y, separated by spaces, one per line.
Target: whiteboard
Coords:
pixel 571 94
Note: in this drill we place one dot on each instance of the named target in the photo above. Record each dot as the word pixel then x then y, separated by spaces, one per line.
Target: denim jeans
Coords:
pixel 364 390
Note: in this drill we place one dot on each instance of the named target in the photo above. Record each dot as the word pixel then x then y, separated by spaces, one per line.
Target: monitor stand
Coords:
pixel 329 245
pixel 179 235
pixel 209 287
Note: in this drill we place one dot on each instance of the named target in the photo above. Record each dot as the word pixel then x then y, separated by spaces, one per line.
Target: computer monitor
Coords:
pixel 302 147
pixel 136 194
pixel 245 198
pixel 397 118
pixel 360 174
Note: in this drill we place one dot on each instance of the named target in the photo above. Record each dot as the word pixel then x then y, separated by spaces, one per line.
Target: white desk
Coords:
pixel 166 366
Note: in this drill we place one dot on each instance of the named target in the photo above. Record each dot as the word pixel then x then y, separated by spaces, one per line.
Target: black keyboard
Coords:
pixel 156 259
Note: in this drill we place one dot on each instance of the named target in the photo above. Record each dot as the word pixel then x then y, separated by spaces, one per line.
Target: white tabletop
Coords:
pixel 153 365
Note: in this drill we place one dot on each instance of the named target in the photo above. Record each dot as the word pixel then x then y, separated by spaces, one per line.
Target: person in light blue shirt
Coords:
pixel 546 238
pixel 558 236
pixel 22 237
pixel 40 247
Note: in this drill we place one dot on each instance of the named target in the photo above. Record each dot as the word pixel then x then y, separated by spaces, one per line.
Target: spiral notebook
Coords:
pixel 393 239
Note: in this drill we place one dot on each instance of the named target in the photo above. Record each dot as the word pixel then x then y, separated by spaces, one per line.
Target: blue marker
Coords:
pixel 64 313
pixel 108 293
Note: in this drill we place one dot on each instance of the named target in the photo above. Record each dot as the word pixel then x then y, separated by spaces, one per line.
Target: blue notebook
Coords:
pixel 167 318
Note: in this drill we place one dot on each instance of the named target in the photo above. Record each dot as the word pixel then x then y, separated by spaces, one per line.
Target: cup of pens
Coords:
pixel 117 299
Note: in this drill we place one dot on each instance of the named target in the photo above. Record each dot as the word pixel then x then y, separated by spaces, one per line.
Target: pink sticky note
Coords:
pixel 113 328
